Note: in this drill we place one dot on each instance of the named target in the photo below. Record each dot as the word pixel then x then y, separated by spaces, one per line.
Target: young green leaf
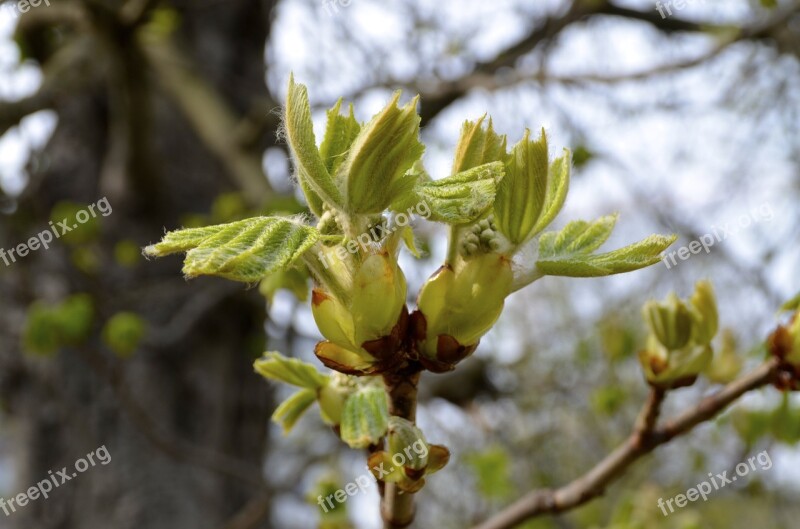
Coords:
pixel 556 194
pixel 478 146
pixel 275 366
pixel 365 418
pixel 577 238
pixel 340 133
pixel 704 312
pixel 246 250
pixel 521 194
pixel 290 410
pixel 461 198
pixel 633 257
pixel 314 178
pixel 376 168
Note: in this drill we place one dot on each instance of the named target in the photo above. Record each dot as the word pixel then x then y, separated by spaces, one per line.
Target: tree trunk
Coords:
pixel 185 418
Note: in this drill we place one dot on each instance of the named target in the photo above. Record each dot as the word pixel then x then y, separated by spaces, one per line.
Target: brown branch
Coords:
pixel 397 506
pixel 484 74
pixel 645 438
pixel 434 101
pixel 12 112
pixel 650 412
pixel 64 74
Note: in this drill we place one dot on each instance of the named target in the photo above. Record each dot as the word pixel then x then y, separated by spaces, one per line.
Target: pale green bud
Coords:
pixel 706 319
pixel 363 334
pixel 409 457
pixel 670 322
pixel 456 308
pixel 673 368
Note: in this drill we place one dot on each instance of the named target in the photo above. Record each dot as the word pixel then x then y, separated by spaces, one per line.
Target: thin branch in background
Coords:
pixel 645 438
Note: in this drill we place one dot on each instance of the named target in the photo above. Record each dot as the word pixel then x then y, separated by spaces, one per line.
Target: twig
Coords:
pixel 649 414
pixel 397 506
pixel 645 438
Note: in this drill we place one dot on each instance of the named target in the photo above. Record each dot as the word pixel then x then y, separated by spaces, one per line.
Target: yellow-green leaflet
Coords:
pixel 290 410
pixel 569 252
pixel 365 417
pixel 458 199
pixel 316 182
pixel 275 366
pixel 246 250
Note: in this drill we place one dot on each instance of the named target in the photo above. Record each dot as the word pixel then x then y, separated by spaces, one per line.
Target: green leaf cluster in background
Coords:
pixel 50 327
pixel 492 470
pixel 123 333
pixel 79 233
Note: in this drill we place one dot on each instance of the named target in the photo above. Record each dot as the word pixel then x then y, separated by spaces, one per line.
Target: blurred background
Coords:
pixel 683 116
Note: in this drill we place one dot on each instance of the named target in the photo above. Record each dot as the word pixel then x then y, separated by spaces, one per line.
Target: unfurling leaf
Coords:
pixel 275 366
pixel 569 252
pixel 246 250
pixel 458 199
pixel 290 410
pixel 478 146
pixel 315 180
pixel 365 418
pixel 377 166
pixel 577 238
pixel 678 347
pixel 704 313
pixel 340 133
pixel 521 194
pixel 556 194
pixel 670 322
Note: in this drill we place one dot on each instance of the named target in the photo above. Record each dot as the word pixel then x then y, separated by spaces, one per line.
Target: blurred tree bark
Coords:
pixel 143 119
